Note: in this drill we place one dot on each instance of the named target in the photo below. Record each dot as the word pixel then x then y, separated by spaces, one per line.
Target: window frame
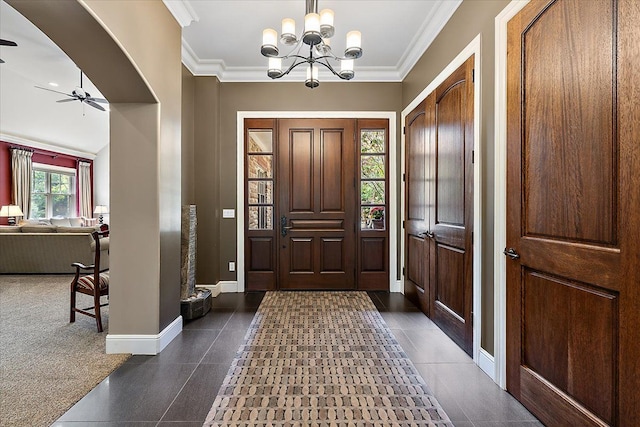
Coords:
pixel 60 170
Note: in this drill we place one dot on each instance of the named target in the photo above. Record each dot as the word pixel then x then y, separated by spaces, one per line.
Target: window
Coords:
pixel 53 192
pixel 260 179
pixel 372 179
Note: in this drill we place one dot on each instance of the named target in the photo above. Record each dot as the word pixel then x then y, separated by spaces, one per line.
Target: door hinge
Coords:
pixel 473 156
pixel 404 130
pixel 404 177
pixel 473 75
pixel 403 271
pixel 472 237
pixel 402 223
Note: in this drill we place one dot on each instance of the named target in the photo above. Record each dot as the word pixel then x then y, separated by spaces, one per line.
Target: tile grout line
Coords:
pixel 198 365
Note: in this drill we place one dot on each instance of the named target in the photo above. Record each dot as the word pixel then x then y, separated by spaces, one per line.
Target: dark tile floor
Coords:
pixel 178 386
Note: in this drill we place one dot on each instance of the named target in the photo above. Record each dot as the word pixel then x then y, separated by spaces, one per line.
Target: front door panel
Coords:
pixel 317 204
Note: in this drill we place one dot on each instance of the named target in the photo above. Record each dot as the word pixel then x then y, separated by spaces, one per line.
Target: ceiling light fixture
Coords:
pixel 318 30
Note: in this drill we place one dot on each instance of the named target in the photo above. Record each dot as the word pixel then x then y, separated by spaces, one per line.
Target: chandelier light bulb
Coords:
pixel 311 29
pixel 312 78
pixel 275 68
pixel 288 31
pixel 326 23
pixel 269 42
pixel 354 45
pixel 346 69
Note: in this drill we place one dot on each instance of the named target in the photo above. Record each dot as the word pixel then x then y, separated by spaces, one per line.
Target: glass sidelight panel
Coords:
pixel 260 218
pixel 260 180
pixel 373 179
pixel 260 141
pixel 260 166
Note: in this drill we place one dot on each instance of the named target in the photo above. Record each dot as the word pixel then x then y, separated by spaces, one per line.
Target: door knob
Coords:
pixel 511 253
pixel 430 234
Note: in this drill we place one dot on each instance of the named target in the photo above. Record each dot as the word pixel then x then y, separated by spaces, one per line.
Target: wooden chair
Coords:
pixel 85 284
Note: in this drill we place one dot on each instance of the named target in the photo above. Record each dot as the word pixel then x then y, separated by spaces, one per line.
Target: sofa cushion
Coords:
pixel 41 221
pixel 39 228
pixel 76 222
pixel 10 229
pixel 89 222
pixel 64 222
pixel 63 229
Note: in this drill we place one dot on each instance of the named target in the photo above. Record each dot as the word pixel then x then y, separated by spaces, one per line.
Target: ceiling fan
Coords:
pixel 4 42
pixel 79 94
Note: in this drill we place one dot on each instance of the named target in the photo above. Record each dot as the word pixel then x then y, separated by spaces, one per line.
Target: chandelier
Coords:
pixel 318 30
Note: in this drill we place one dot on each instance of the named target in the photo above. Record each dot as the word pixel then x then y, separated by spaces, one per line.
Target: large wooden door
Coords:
pixel 439 205
pixel 573 218
pixel 317 203
pixel 416 224
pixel 451 206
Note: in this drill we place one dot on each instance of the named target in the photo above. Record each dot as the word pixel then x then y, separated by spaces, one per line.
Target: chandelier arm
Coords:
pixel 292 66
pixel 330 68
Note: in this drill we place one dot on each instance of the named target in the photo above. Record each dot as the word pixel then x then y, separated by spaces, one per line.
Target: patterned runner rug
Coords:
pixel 322 359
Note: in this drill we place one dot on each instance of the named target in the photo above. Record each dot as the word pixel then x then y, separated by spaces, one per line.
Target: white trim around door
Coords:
pixel 472 48
pixel 394 284
pixel 500 198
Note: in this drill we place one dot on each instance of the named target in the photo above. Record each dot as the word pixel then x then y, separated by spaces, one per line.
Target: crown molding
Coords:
pixel 27 142
pixel 182 11
pixel 431 27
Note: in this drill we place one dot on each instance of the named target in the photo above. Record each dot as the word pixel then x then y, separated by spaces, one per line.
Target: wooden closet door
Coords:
pixel 416 223
pixel 573 211
pixel 451 206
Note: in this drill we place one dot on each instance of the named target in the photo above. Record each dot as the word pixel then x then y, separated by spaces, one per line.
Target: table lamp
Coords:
pixel 11 211
pixel 100 210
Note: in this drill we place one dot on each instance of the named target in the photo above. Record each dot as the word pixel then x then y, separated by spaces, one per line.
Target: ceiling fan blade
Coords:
pixel 102 100
pixel 66 100
pixel 56 91
pixel 4 42
pixel 94 105
pixel 1 61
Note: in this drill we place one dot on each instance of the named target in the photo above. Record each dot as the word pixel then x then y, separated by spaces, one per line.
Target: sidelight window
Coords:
pixel 373 173
pixel 260 180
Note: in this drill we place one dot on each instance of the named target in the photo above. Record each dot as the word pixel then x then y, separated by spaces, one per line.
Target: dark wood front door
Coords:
pixel 317 203
pixel 439 205
pixel 573 211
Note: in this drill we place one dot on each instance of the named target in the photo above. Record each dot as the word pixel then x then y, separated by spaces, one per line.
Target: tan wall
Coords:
pixel 188 173
pixel 136 65
pixel 216 170
pixel 208 175
pixel 471 18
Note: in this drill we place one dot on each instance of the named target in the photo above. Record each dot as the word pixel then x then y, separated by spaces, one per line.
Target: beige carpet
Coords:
pixel 322 359
pixel 46 363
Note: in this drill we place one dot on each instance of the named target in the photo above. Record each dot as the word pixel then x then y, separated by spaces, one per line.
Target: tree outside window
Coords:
pixel 52 194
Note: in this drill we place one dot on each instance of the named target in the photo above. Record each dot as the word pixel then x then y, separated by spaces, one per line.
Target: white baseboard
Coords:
pixel 215 289
pixel 487 363
pixel 228 286
pixel 144 344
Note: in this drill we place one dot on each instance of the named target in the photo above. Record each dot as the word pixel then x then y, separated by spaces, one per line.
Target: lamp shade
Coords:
pixel 101 209
pixel 11 210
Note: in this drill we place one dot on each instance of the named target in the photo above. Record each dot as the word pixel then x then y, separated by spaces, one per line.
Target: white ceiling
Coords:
pixel 220 37
pixel 32 114
pixel 223 37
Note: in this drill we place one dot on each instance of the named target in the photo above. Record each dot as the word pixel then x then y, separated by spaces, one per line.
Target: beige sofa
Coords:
pixel 48 249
